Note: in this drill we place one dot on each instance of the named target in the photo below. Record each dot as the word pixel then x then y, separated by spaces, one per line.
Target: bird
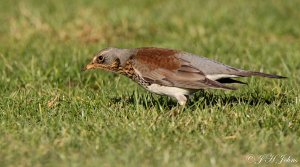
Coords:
pixel 170 72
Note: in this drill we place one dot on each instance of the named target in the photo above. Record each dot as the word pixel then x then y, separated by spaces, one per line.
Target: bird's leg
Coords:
pixel 181 99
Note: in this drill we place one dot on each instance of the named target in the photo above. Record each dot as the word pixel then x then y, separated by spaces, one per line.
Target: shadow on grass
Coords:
pixel 204 99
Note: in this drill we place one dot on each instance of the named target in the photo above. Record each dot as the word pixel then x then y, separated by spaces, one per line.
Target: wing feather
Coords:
pixel 178 73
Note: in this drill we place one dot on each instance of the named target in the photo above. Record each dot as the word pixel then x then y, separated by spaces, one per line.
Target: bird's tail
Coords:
pixel 224 79
pixel 260 74
pixel 230 80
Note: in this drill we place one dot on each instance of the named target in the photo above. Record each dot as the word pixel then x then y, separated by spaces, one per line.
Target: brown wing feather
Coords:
pixel 162 67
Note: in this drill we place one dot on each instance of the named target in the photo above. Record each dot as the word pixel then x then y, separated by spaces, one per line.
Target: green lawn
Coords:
pixel 52 114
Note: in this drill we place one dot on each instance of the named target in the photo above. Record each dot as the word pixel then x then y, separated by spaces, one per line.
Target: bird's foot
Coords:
pixel 176 110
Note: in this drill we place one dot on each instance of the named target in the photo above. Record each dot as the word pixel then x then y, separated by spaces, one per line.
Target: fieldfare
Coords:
pixel 170 72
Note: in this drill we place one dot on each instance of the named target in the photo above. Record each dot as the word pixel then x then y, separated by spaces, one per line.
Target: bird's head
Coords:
pixel 106 59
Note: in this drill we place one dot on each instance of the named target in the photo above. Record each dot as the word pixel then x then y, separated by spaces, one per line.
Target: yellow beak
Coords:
pixel 93 66
pixel 89 67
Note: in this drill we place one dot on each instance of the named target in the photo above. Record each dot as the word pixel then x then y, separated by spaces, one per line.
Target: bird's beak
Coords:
pixel 88 67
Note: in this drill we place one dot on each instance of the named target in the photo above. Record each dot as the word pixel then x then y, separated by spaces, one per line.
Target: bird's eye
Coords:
pixel 100 59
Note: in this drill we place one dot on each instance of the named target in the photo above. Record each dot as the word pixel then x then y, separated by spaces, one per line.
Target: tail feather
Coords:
pixel 220 81
pixel 260 74
pixel 218 85
pixel 230 81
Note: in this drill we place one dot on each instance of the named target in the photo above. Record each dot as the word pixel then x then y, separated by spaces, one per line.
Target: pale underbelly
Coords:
pixel 169 91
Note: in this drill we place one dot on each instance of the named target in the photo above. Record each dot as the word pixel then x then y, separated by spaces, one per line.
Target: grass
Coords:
pixel 52 114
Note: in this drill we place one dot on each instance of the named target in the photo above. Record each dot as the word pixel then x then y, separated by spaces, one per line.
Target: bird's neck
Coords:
pixel 125 55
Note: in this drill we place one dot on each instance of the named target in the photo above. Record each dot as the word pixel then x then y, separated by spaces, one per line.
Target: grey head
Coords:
pixel 109 59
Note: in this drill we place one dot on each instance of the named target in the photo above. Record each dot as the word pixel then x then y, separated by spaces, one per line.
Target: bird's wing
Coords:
pixel 215 70
pixel 161 66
